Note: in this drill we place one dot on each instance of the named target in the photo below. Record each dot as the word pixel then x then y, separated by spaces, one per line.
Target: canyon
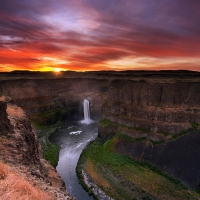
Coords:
pixel 159 112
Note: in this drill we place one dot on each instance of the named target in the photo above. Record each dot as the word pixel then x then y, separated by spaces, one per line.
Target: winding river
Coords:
pixel 72 137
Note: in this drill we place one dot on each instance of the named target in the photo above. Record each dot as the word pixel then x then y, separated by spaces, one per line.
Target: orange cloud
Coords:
pixel 99 35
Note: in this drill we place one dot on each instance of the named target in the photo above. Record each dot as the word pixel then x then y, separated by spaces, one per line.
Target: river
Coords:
pixel 73 137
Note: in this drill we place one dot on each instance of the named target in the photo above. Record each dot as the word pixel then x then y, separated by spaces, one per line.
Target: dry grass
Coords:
pixel 3 171
pixel 13 186
pixel 95 176
pixel 126 178
pixel 15 111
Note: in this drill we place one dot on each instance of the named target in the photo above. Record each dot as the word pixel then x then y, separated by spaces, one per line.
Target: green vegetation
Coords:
pixel 52 116
pixel 50 152
pixel 194 125
pixel 122 177
pixel 105 122
pixel 46 130
pixel 157 142
pixel 143 130
pixel 46 123
pixel 181 133
pixel 79 167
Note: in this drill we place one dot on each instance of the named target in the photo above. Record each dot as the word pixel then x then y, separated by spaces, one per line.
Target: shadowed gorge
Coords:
pixel 148 130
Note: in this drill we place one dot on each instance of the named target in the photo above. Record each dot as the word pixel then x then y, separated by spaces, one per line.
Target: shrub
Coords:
pixel 104 122
pixel 194 125
pixel 50 152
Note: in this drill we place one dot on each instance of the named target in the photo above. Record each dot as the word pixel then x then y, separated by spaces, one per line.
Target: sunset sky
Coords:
pixel 87 35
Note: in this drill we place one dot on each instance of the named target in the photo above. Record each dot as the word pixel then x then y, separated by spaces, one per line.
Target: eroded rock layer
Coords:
pixel 157 107
pixel 162 119
pixel 20 149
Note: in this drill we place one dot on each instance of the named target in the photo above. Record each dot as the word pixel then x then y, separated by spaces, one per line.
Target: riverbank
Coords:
pixel 72 137
pixel 44 124
pixel 50 151
pixel 87 183
pixel 122 177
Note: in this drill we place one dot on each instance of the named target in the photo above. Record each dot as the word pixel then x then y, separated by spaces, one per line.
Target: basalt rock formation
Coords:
pixel 62 95
pixel 20 149
pixel 179 158
pixel 157 107
pixel 160 117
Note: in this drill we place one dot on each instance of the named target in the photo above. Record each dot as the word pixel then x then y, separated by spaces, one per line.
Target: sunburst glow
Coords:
pixel 57 69
pixel 90 35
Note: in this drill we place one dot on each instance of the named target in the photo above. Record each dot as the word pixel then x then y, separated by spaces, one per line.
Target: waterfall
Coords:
pixel 86 107
pixel 86 110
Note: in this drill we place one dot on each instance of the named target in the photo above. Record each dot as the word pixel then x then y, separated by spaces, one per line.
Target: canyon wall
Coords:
pixel 22 146
pixel 157 107
pixel 21 151
pixel 162 120
pixel 5 125
pixel 63 95
pixel 162 102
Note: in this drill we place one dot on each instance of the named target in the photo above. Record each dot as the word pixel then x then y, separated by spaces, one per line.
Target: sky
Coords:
pixel 90 35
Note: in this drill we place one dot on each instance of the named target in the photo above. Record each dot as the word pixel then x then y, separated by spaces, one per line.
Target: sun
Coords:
pixel 57 69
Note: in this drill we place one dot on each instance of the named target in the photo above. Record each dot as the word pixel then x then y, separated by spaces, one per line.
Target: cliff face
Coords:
pixel 158 117
pixel 179 158
pixel 24 140
pixel 5 125
pixel 42 95
pixel 163 106
pixel 20 148
pixel 156 107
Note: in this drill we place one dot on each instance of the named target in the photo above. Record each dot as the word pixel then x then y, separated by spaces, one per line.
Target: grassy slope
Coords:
pixel 14 186
pixel 46 123
pixel 52 116
pixel 124 178
pixel 105 123
pixel 50 151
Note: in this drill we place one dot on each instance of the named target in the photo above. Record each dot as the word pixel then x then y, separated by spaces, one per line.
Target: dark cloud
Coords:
pixel 20 19
pixel 90 33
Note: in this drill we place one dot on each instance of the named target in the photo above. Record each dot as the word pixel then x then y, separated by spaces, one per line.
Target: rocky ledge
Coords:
pixel 21 151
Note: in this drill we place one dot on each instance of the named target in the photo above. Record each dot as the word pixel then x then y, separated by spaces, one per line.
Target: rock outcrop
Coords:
pixel 179 158
pixel 158 116
pixel 40 95
pixel 20 149
pixel 5 125
pixel 156 107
